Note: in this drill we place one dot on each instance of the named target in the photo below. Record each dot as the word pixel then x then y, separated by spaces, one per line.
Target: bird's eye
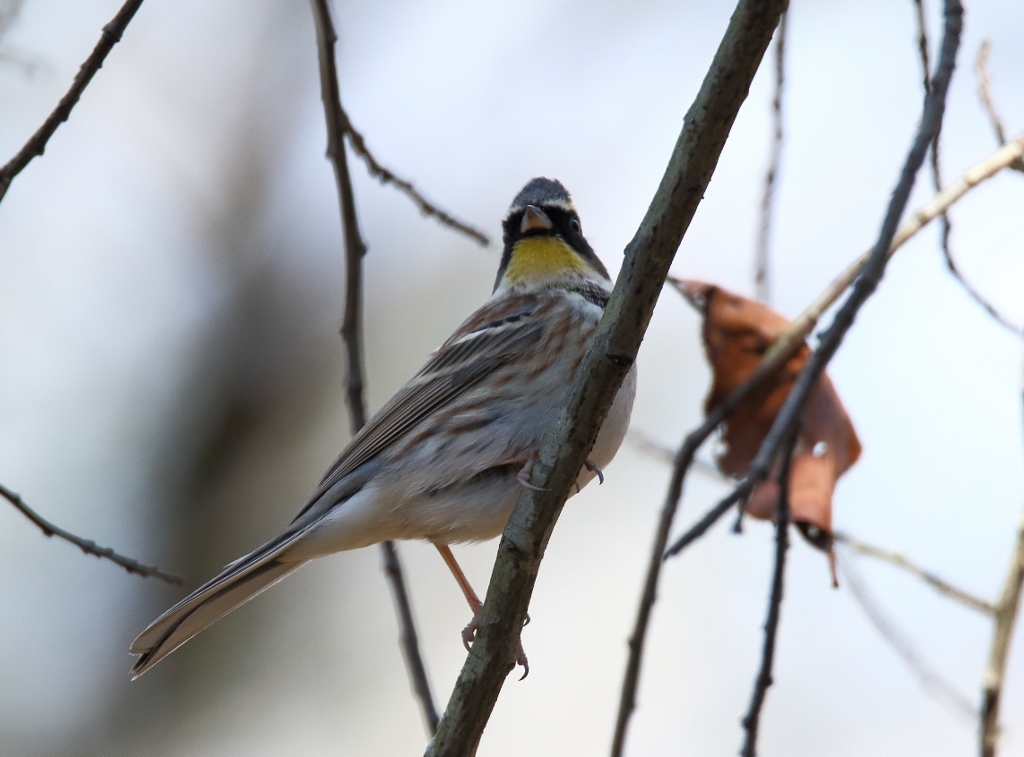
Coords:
pixel 574 225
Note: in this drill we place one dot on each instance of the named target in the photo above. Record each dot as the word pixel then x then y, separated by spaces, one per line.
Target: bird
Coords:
pixel 445 459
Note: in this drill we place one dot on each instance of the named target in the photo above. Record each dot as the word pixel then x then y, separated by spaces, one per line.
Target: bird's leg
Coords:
pixel 475 605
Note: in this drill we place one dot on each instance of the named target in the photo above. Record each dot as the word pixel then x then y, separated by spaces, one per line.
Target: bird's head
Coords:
pixel 544 243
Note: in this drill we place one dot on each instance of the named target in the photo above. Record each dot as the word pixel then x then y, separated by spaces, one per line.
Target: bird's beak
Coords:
pixel 535 219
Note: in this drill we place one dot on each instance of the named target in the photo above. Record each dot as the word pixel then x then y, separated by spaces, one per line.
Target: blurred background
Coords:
pixel 172 279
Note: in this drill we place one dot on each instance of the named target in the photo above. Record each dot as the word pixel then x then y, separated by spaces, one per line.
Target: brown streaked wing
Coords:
pixel 492 337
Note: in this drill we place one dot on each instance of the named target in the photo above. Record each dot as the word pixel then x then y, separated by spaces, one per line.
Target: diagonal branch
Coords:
pixel 901 561
pixel 790 341
pixel 340 126
pixel 385 176
pixel 783 348
pixel 874 269
pixel 611 355
pixel 999 651
pixel 86 545
pixel 351 331
pixel 36 144
pixel 795 335
pixel 771 624
pixel 936 166
pixel 932 681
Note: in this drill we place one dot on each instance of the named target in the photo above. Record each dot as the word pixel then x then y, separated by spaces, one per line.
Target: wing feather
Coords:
pixel 482 344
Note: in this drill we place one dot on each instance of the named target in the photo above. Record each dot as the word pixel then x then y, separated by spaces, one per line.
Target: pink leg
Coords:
pixel 475 605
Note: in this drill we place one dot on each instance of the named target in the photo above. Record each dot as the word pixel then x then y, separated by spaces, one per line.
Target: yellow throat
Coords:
pixel 540 258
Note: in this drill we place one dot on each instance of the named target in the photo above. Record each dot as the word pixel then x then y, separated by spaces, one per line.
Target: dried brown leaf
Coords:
pixel 737 332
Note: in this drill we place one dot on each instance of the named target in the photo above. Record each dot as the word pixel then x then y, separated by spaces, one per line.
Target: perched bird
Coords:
pixel 445 459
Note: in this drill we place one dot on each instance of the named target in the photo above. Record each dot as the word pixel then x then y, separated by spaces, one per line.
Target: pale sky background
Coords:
pixel 172 279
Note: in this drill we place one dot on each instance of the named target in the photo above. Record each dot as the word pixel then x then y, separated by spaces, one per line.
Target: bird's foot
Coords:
pixel 469 636
pixel 524 474
pixel 593 468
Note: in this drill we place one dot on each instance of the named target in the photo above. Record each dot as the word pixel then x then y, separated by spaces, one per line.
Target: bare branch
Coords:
pixel 647 443
pixel 931 681
pixel 871 275
pixel 901 561
pixel 384 176
pixel 1002 635
pixel 947 228
pixel 995 672
pixel 985 94
pixel 351 332
pixel 974 294
pixel 784 348
pixel 771 624
pixel 683 460
pixel 86 545
pixel 612 352
pixel 761 254
pixel 790 341
pixel 665 455
pixel 922 49
pixel 36 144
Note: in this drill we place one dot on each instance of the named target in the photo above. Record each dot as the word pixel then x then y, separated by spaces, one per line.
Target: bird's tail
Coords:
pixel 236 584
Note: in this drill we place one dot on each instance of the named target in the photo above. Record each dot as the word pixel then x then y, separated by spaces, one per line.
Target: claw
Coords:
pixel 521 660
pixel 469 632
pixel 469 636
pixel 524 473
pixel 593 468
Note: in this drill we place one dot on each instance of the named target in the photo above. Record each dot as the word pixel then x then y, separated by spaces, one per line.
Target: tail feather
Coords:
pixel 236 584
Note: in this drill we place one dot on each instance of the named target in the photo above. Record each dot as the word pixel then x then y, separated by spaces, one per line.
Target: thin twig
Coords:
pixel 36 144
pixel 801 327
pixel 901 561
pixel 784 348
pixel 985 94
pixel 771 624
pixel 647 443
pixel 922 50
pixel 995 672
pixel 946 224
pixel 762 280
pixel 86 545
pixel 683 460
pixel 780 352
pixel 1002 635
pixel 351 332
pixel 944 587
pixel 384 176
pixel 612 353
pixel 871 276
pixel 797 332
pixel 929 679
pixel 409 639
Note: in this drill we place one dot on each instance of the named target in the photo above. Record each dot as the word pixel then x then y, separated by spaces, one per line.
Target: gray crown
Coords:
pixel 540 192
